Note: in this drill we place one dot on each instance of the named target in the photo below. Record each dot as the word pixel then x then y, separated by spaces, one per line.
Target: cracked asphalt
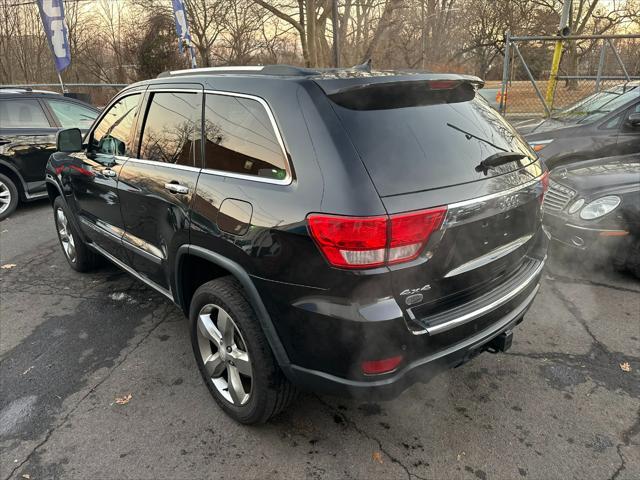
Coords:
pixel 557 405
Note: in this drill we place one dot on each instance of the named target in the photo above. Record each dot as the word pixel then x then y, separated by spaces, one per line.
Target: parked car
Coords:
pixel 604 124
pixel 594 206
pixel 343 231
pixel 29 121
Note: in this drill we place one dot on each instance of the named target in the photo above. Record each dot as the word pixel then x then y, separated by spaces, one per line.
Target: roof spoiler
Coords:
pixel 380 93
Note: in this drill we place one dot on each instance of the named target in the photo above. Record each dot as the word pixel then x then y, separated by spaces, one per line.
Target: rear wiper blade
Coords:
pixel 470 135
pixel 497 159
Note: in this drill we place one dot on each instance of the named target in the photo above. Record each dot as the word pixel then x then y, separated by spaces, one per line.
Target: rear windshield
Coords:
pixel 424 147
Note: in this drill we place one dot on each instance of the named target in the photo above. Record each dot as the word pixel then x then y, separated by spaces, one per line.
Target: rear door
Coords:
pixel 156 187
pixel 27 139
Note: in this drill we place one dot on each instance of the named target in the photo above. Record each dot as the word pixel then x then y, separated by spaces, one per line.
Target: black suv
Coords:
pixel 29 121
pixel 343 231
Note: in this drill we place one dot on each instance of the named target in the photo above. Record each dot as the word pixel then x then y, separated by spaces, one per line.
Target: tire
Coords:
pixel 8 196
pixel 263 390
pixel 77 253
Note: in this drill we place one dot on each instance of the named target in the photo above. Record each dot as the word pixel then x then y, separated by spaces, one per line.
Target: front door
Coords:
pixel 157 186
pixel 95 176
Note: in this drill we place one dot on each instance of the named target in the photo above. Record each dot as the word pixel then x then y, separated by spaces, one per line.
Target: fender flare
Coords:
pixel 252 293
pixel 15 171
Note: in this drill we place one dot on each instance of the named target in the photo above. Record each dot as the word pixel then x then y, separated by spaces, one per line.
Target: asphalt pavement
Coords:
pixel 98 381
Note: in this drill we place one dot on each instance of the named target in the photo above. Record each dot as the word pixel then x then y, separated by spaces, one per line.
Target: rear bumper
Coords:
pixel 585 237
pixel 419 370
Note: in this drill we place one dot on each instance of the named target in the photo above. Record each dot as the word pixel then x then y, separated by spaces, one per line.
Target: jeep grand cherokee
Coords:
pixel 345 231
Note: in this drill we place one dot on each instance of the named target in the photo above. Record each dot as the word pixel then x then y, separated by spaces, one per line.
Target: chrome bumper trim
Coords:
pixel 443 327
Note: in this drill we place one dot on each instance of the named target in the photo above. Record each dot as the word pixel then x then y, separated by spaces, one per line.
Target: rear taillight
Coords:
pixel 367 242
pixel 411 231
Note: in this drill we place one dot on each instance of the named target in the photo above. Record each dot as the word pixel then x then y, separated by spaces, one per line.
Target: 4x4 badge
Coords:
pixel 410 291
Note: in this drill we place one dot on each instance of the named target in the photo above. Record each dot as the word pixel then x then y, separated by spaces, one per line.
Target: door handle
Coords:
pixel 176 188
pixel 107 172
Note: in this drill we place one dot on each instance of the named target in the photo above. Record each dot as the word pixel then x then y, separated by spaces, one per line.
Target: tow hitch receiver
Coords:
pixel 501 343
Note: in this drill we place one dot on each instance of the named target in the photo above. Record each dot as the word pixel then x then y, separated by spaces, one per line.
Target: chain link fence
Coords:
pixel 589 63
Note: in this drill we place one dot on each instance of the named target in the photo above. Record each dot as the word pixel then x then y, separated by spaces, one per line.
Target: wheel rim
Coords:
pixel 66 237
pixel 224 355
pixel 5 197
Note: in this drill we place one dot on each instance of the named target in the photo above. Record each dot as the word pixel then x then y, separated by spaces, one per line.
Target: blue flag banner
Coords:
pixel 52 15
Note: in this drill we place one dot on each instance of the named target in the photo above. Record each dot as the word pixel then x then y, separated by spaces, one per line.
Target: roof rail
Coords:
pixel 280 70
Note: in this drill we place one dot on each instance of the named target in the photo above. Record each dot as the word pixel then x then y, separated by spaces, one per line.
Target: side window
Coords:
pixel 239 138
pixel 613 123
pixel 72 115
pixel 112 135
pixel 22 113
pixel 170 133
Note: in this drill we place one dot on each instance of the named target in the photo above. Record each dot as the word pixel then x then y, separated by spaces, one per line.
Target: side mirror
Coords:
pixel 69 140
pixel 634 120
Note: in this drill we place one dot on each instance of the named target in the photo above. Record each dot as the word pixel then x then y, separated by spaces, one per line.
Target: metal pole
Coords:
pixel 526 69
pixel 505 72
pixel 615 52
pixel 336 40
pixel 603 54
pixel 423 38
pixel 61 83
pixel 557 54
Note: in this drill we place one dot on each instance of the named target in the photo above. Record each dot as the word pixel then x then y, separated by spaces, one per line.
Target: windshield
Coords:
pixel 598 105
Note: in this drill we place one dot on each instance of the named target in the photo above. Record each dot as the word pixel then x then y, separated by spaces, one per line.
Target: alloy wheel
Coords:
pixel 5 197
pixel 224 354
pixel 66 237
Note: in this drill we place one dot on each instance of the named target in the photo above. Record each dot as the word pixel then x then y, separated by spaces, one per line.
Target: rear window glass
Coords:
pixel 420 148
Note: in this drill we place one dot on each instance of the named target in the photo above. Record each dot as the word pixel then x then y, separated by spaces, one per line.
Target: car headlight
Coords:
pixel 577 205
pixel 600 207
pixel 538 145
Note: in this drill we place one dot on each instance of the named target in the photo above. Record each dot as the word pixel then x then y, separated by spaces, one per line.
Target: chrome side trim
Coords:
pixel 130 271
pixel 164 164
pixel 127 240
pixel 144 248
pixel 103 228
pixel 285 181
pixel 234 68
pixel 443 327
pixel 493 255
